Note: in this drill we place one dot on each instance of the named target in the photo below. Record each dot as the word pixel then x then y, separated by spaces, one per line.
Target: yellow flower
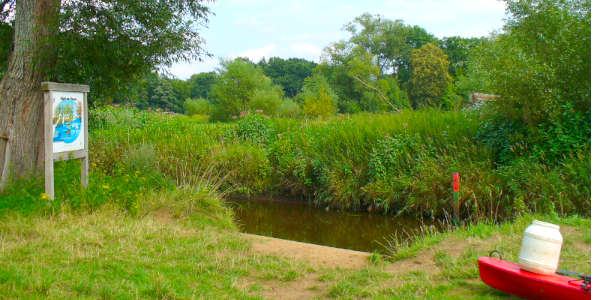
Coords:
pixel 45 196
pixel 105 186
pixel 94 165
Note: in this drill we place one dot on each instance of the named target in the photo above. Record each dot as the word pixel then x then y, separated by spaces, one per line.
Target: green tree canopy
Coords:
pixel 458 50
pixel 201 84
pixel 429 76
pixel 390 41
pixel 353 75
pixel 110 44
pixel 240 84
pixel 540 66
pixel 318 97
pixel 288 73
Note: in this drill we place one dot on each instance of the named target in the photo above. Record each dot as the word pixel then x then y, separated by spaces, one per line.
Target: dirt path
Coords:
pixel 315 255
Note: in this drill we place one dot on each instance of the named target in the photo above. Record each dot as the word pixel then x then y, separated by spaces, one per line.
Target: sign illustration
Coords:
pixel 67 121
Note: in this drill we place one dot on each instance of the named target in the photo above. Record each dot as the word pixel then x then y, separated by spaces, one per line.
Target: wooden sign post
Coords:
pixel 65 128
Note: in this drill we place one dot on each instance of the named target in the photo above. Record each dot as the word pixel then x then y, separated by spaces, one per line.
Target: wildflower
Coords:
pixel 45 196
pixel 105 186
pixel 94 165
pixel 258 111
pixel 279 135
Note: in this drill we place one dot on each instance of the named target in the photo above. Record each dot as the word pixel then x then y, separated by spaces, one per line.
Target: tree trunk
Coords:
pixel 21 103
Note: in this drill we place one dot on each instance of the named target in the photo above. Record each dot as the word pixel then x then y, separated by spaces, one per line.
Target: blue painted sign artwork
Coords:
pixel 67 118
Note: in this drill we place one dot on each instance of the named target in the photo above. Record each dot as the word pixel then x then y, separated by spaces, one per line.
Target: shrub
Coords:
pixel 289 109
pixel 318 97
pixel 267 100
pixel 255 128
pixel 245 167
pixel 197 107
pixel 141 158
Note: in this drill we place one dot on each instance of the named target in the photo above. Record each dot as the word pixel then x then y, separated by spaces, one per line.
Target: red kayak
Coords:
pixel 509 277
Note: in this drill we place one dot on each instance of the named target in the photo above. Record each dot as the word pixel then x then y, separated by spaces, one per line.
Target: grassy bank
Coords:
pixel 153 224
pixel 182 245
pixel 394 163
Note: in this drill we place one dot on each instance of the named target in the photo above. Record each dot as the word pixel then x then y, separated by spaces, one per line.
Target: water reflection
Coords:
pixel 298 221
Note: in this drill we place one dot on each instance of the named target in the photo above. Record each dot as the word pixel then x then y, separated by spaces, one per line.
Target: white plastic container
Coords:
pixel 540 250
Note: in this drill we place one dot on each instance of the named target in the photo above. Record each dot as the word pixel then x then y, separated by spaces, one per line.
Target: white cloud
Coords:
pixel 257 54
pixel 305 50
pixel 447 18
pixel 184 70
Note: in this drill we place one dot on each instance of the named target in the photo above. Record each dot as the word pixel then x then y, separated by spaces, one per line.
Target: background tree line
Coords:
pixel 384 66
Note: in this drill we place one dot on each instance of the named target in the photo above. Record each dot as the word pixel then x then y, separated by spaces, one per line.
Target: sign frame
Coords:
pixel 49 156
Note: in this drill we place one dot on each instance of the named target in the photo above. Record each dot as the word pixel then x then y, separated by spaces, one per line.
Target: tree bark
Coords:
pixel 21 103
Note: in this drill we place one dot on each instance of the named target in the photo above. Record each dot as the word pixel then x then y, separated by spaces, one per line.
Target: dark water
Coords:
pixel 298 221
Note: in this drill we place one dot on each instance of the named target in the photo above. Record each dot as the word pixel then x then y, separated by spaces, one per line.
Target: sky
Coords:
pixel 303 28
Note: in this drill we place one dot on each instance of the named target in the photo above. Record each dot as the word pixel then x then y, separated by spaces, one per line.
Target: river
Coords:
pixel 299 221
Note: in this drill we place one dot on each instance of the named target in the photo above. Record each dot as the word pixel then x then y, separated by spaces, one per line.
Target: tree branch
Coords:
pixel 378 91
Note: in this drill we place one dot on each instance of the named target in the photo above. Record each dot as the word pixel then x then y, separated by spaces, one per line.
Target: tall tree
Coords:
pixel 103 43
pixel 242 86
pixel 201 84
pixel 390 41
pixel 289 73
pixel 458 49
pixel 429 76
pixel 21 120
pixel 541 68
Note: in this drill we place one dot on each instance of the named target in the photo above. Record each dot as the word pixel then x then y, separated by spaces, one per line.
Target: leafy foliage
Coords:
pixel 288 73
pixel 201 84
pixel 110 44
pixel 391 41
pixel 197 107
pixel 541 68
pixel 241 85
pixel 429 76
pixel 318 98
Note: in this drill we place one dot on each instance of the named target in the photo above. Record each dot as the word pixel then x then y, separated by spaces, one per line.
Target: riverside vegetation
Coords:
pixel 397 163
pixel 369 128
pixel 153 222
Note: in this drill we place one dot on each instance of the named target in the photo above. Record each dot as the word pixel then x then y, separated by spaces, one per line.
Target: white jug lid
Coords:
pixel 546 224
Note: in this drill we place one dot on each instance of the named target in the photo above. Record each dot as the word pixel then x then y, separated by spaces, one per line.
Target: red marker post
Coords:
pixel 455 183
pixel 455 191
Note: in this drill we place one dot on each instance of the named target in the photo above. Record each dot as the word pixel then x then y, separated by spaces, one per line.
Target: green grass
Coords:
pixel 152 223
pixel 182 245
pixel 454 254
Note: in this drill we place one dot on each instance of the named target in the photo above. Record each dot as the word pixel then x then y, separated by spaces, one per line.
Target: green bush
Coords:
pixel 244 167
pixel 197 107
pixel 318 98
pixel 141 158
pixel 289 109
pixel 268 101
pixel 255 128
